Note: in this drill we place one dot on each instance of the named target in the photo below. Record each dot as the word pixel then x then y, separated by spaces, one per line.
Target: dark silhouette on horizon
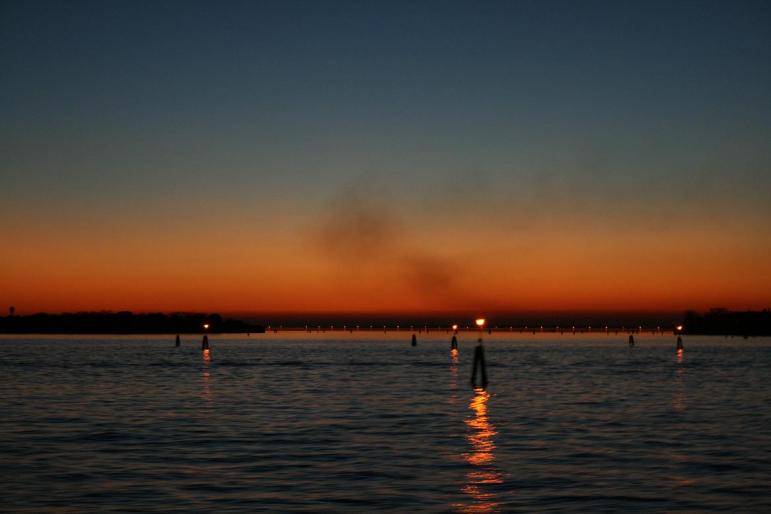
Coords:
pixel 725 322
pixel 122 323
pixel 713 322
pixel 517 320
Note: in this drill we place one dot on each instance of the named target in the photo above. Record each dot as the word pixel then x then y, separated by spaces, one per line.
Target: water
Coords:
pixel 360 422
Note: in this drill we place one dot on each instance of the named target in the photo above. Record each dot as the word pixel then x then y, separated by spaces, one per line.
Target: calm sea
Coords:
pixel 364 422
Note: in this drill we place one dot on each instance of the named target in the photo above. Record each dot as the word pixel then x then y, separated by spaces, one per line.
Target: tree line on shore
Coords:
pixel 725 322
pixel 123 323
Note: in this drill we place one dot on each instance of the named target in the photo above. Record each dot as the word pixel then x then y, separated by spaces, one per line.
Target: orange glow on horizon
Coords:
pixel 61 267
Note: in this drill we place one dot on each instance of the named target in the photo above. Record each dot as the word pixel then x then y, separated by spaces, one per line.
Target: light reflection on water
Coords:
pixel 484 474
pixel 453 376
pixel 205 389
pixel 357 423
pixel 679 398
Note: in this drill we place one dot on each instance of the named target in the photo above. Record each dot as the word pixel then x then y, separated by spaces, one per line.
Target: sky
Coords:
pixel 385 156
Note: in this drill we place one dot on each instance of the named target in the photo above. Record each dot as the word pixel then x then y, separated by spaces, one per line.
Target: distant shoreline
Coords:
pixel 713 322
pixel 124 323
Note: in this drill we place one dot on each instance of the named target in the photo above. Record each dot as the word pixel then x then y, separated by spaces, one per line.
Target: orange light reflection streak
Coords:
pixel 482 456
pixel 205 391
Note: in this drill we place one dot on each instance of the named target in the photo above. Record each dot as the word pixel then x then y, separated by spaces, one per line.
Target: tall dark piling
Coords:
pixel 176 341
pixel 414 340
pixel 680 348
pixel 479 367
pixel 205 343
pixel 454 344
pixel 631 340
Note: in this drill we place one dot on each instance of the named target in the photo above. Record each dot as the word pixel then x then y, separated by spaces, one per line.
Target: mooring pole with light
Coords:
pixel 479 359
pixel 205 343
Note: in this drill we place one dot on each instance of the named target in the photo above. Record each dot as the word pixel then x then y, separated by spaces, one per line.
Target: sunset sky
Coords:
pixel 385 156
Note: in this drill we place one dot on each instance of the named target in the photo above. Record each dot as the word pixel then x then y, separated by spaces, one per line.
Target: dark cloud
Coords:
pixel 355 228
pixel 432 275
pixel 359 230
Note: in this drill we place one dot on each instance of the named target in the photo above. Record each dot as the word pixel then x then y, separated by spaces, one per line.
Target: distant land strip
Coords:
pixel 713 322
pixel 124 323
pixel 725 322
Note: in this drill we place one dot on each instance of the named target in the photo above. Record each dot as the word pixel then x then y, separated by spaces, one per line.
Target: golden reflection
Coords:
pixel 205 391
pixel 481 437
pixel 482 457
pixel 453 376
pixel 679 399
pixel 206 355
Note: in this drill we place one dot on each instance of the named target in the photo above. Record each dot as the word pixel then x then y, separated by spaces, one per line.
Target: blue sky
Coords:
pixel 520 117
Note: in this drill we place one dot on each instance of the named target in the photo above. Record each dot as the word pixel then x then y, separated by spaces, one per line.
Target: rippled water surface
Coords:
pixel 364 422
